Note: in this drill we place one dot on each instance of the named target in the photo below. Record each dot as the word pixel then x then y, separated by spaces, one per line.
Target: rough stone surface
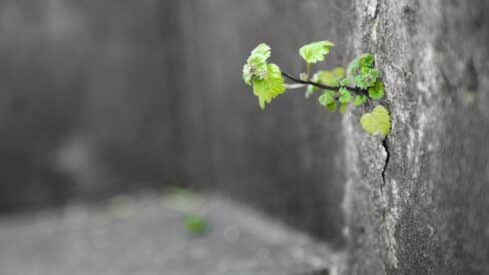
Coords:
pixel 416 202
pixel 145 236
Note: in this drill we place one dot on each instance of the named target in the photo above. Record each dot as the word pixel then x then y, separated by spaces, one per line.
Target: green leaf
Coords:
pixel 339 72
pixel 315 51
pixel 378 122
pixel 311 90
pixel 270 87
pixel 262 50
pixel 362 71
pixel 360 100
pixel 343 107
pixel 195 225
pixel 256 64
pixel 345 96
pixel 330 78
pixel 327 99
pixel 376 92
pixel 332 106
pixel 247 74
pixel 367 61
pixel 368 77
pixel 345 82
pixel 266 78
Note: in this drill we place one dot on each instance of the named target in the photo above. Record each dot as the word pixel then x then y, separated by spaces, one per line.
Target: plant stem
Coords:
pixel 295 86
pixel 308 70
pixel 322 86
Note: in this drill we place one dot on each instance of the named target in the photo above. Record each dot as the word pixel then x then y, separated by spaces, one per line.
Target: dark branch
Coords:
pixel 322 86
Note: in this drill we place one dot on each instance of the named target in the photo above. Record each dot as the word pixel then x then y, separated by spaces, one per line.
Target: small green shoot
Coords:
pixel 195 225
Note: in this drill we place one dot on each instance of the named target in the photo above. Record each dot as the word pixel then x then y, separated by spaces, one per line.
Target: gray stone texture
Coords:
pixel 416 203
pixel 145 235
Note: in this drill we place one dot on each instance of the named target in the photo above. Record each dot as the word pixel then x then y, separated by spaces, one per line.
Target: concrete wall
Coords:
pixel 417 205
pixel 84 109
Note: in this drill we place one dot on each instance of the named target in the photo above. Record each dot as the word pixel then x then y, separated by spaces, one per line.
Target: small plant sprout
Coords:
pixel 195 225
pixel 338 88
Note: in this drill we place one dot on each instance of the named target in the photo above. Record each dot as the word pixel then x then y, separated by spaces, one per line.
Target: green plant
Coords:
pixel 359 84
pixel 195 225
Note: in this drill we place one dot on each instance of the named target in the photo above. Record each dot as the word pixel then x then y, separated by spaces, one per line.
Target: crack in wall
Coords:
pixel 390 258
pixel 386 148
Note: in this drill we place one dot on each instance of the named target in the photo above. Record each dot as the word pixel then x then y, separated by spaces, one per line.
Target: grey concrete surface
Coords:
pixel 417 203
pixel 144 235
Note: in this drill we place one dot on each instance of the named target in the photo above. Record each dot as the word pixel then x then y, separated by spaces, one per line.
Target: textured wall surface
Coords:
pixel 416 203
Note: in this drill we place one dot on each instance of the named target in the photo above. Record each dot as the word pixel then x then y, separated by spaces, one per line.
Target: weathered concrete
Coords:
pixel 416 203
pixel 145 235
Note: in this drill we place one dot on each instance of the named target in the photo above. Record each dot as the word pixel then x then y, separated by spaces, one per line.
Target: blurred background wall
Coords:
pixel 101 97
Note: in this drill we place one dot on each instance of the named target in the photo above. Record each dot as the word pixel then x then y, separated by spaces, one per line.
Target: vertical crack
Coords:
pixel 390 259
pixel 386 148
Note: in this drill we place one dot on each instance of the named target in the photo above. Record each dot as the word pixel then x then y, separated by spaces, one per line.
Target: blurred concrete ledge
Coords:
pixel 145 235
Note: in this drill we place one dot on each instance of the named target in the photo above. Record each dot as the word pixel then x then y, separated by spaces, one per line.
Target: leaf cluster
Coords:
pixel 266 78
pixel 339 88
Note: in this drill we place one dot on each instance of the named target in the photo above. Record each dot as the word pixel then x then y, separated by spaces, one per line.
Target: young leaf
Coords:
pixel 376 92
pixel 378 122
pixel 345 96
pixel 345 82
pixel 328 78
pixel 256 64
pixel 331 78
pixel 195 225
pixel 316 51
pixel 310 88
pixel 332 106
pixel 327 99
pixel 339 72
pixel 367 61
pixel 343 107
pixel 362 71
pixel 247 74
pixel 359 100
pixel 270 87
pixel 353 67
pixel 262 50
pixel 367 78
